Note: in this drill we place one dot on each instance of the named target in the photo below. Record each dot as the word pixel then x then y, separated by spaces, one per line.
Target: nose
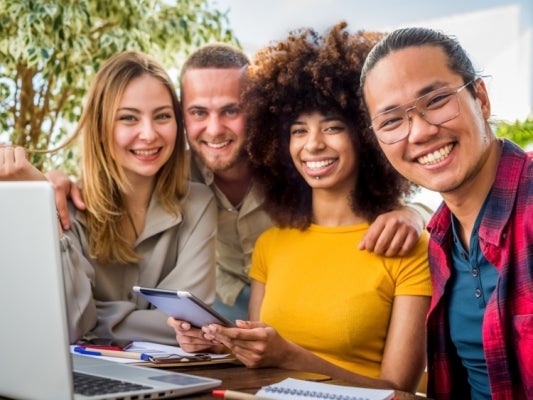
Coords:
pixel 314 141
pixel 148 132
pixel 214 125
pixel 420 130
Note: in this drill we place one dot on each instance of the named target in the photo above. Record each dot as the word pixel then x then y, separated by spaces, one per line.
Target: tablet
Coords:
pixel 182 305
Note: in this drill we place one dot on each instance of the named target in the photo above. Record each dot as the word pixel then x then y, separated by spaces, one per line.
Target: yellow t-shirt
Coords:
pixel 327 296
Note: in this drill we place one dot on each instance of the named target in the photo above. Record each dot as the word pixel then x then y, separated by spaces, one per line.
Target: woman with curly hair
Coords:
pixel 318 303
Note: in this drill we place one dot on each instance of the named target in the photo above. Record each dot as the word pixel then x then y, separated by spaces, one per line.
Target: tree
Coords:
pixel 520 132
pixel 51 49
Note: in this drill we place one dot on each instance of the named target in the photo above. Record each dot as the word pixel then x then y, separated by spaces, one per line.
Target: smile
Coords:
pixel 218 145
pixel 318 164
pixel 146 152
pixel 436 156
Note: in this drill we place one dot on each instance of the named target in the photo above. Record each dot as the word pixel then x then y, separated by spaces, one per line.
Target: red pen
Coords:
pixel 233 395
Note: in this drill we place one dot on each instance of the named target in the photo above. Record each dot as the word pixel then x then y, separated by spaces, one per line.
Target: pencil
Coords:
pixel 233 395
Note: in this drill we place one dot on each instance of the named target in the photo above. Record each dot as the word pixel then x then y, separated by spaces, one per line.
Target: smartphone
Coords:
pixel 105 344
pixel 182 305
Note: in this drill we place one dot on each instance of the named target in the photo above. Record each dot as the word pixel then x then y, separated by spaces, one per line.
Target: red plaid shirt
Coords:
pixel 506 240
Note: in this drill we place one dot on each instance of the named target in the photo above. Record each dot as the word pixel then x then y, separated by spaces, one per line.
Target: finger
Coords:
pixel 368 242
pixel 381 241
pixel 409 243
pixel 62 209
pixel 76 197
pixel 9 157
pixel 19 155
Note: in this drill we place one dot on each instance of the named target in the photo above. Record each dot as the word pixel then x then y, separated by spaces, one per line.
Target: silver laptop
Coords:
pixel 36 361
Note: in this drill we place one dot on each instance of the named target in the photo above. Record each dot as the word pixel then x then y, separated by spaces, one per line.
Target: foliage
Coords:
pixel 50 50
pixel 520 132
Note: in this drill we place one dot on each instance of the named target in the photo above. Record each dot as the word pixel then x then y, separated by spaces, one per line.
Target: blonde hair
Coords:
pixel 103 179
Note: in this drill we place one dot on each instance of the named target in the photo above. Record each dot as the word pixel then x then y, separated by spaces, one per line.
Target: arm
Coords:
pixel 65 189
pixel 258 345
pixel 396 233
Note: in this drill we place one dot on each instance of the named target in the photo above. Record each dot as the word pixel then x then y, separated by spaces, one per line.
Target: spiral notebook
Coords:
pixel 292 389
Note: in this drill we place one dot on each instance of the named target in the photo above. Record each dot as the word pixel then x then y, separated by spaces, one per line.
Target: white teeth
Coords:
pixel 436 156
pixel 218 145
pixel 145 152
pixel 318 164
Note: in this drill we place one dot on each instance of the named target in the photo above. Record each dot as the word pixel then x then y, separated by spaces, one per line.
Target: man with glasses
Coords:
pixel 429 111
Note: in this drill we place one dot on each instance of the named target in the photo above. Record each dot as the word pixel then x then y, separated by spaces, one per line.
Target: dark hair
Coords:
pixel 458 60
pixel 306 73
pixel 215 55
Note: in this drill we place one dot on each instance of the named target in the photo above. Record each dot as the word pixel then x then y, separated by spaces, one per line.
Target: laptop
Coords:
pixel 36 361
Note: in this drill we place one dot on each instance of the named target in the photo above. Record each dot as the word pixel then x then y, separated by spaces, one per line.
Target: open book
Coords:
pixel 291 388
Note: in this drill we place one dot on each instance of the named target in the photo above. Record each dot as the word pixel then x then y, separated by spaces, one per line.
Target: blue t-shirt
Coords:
pixel 472 283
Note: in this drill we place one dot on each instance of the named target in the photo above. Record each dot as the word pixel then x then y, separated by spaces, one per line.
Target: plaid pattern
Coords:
pixel 506 240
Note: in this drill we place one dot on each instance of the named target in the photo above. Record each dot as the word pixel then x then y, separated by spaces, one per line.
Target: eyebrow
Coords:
pixel 136 110
pixel 325 119
pixel 224 107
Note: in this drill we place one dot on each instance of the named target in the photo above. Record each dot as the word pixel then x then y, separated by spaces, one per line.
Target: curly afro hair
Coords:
pixel 305 73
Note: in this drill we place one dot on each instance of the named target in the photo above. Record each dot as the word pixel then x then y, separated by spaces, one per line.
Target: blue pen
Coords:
pixel 112 353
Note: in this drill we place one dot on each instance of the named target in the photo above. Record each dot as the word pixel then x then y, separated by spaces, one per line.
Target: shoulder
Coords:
pixel 274 235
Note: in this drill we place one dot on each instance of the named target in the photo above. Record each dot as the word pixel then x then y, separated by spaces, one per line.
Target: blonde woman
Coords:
pixel 145 223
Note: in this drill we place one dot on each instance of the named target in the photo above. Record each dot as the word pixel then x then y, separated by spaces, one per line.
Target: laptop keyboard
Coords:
pixel 90 385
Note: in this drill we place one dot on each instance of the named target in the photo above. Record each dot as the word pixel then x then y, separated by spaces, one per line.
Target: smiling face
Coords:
pixel 442 158
pixel 145 128
pixel 323 152
pixel 213 117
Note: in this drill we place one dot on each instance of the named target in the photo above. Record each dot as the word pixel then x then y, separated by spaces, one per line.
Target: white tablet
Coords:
pixel 182 305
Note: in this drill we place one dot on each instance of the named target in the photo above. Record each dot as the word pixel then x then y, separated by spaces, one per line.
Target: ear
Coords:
pixel 482 97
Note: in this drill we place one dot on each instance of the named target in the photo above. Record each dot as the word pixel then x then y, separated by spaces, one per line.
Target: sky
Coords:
pixel 256 22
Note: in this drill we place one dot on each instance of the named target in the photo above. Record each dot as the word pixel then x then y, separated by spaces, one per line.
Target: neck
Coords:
pixel 234 182
pixel 466 201
pixel 332 209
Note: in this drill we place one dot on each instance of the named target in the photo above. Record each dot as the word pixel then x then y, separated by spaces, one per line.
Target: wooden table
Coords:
pixel 242 379
pixel 239 378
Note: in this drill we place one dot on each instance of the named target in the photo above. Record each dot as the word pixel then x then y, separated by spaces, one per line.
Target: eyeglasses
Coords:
pixel 436 107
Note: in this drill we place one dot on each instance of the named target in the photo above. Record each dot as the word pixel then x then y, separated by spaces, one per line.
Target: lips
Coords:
pixel 436 156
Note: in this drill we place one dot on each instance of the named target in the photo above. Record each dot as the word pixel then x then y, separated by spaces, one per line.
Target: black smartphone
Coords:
pixel 105 343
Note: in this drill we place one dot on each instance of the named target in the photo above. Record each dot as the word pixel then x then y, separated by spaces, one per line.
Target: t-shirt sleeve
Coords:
pixel 258 270
pixel 413 277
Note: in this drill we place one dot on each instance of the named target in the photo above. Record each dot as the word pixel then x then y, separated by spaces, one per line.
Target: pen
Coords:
pixel 112 353
pixel 233 395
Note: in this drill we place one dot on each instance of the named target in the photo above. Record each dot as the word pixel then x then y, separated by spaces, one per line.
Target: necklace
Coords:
pixel 132 225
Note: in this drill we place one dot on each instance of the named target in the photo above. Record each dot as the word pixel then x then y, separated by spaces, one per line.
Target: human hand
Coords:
pixel 192 339
pixel 253 343
pixel 394 233
pixel 15 166
pixel 64 189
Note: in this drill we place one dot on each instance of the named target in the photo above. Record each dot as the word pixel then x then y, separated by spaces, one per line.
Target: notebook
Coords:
pixel 36 360
pixel 294 389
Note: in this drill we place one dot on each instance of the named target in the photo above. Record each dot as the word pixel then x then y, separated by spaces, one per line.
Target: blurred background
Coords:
pixel 51 49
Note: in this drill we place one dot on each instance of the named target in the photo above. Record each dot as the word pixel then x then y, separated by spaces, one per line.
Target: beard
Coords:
pixel 220 163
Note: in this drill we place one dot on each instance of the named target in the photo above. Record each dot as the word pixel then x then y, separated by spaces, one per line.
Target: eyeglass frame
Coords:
pixel 415 101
